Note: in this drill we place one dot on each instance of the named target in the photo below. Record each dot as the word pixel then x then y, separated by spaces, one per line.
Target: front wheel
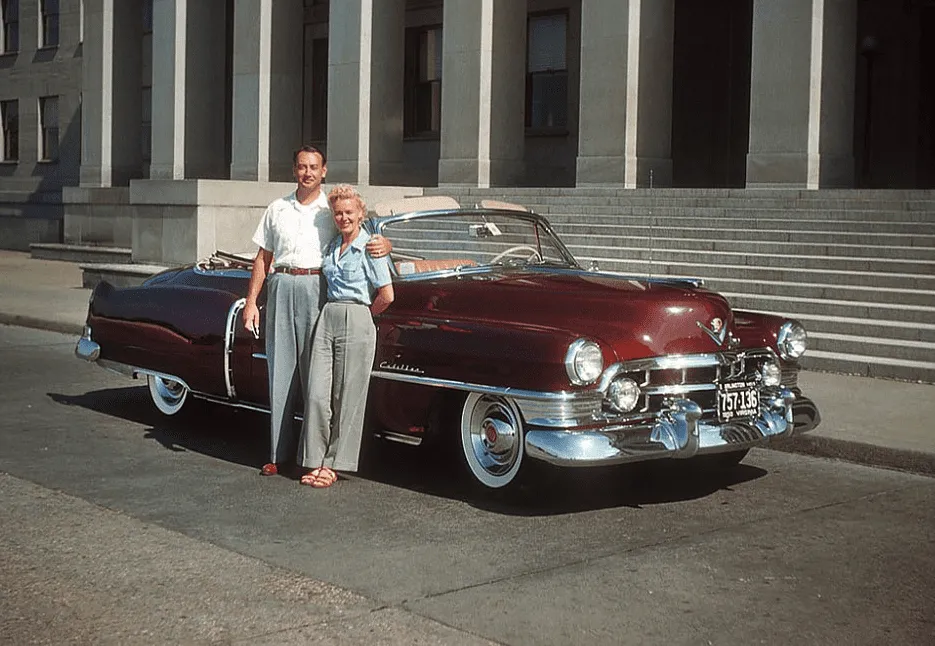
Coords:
pixel 168 395
pixel 492 439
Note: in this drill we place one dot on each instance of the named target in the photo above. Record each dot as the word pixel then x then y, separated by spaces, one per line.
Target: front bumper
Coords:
pixel 677 432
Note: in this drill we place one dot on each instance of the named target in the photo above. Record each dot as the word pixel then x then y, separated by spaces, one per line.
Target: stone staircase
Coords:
pixel 857 268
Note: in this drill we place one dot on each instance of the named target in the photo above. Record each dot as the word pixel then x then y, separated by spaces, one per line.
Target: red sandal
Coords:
pixel 319 478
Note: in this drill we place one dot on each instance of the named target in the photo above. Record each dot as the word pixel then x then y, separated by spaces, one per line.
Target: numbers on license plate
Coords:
pixel 737 399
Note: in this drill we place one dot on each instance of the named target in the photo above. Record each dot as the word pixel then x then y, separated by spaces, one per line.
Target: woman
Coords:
pixel 344 344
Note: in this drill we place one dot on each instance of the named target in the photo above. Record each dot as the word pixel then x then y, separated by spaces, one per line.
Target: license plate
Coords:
pixel 737 399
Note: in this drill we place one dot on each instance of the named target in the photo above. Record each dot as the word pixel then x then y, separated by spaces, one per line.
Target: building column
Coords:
pixel 267 89
pixel 625 116
pixel 483 102
pixel 802 94
pixel 111 78
pixel 190 129
pixel 365 91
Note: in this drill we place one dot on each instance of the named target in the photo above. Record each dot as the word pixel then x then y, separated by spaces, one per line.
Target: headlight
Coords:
pixel 623 394
pixel 792 340
pixel 584 362
pixel 772 375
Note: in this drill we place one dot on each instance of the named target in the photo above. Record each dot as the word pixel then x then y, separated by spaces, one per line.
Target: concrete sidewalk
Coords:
pixel 871 421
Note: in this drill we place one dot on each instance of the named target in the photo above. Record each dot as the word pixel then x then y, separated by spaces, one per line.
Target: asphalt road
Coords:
pixel 118 526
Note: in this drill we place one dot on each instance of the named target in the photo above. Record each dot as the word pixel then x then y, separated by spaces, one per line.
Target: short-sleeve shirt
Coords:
pixel 353 275
pixel 297 234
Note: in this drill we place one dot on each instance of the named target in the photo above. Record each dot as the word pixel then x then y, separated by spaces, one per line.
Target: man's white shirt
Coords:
pixel 296 233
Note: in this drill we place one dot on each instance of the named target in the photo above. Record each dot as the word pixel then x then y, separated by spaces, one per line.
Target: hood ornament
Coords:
pixel 717 330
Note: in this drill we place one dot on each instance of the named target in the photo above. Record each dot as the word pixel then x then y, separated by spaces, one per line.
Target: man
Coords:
pixel 291 236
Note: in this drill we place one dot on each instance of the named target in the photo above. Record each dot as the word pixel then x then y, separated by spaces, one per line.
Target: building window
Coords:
pixel 547 72
pixel 423 81
pixel 48 128
pixel 9 113
pixel 146 123
pixel 49 23
pixel 10 10
pixel 147 16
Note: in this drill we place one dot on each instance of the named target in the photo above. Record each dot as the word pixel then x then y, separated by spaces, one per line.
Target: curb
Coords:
pixel 41 324
pixel 870 455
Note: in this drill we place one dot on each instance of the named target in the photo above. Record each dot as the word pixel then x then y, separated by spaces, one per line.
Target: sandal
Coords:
pixel 319 478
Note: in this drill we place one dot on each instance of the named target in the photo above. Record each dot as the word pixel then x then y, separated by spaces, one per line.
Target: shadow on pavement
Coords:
pixel 240 436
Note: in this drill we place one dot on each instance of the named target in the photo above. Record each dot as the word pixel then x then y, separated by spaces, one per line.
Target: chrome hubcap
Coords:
pixel 494 436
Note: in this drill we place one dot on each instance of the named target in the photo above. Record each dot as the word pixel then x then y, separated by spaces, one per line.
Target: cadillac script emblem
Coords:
pixel 716 330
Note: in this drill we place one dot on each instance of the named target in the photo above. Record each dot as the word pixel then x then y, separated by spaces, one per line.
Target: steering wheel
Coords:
pixel 520 247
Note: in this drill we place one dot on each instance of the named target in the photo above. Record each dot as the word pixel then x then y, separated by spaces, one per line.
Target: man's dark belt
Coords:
pixel 296 271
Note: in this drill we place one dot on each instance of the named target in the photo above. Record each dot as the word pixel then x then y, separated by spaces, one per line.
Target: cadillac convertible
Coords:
pixel 498 342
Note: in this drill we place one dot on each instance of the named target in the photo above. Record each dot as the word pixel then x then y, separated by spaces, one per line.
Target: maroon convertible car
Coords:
pixel 498 341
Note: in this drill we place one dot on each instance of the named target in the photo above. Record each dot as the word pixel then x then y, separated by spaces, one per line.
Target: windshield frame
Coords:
pixel 378 225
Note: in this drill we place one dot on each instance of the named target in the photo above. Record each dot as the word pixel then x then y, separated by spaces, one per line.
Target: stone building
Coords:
pixel 166 125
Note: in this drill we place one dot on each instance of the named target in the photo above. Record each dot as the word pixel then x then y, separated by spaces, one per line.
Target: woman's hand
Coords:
pixel 378 246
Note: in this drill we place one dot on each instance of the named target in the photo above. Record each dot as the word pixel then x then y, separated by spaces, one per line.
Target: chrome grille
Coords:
pixel 694 377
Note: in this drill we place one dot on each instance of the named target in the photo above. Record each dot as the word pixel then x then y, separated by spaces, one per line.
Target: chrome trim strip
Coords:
pixel 517 393
pixel 229 336
pixel 399 437
pixel 259 355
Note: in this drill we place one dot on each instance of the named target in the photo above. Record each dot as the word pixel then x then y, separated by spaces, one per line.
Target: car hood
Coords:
pixel 636 318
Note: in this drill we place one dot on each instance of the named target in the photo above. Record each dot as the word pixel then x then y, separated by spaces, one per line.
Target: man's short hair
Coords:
pixel 308 148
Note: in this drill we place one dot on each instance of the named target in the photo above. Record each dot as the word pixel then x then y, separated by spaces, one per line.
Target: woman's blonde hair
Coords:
pixel 347 192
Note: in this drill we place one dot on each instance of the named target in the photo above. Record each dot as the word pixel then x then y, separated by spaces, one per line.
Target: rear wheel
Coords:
pixel 168 395
pixel 492 439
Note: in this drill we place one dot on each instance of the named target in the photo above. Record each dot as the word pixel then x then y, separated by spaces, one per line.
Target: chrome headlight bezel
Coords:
pixel 623 394
pixel 792 340
pixel 584 362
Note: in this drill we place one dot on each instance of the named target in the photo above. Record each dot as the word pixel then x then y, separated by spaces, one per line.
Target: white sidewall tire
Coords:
pixel 168 396
pixel 475 410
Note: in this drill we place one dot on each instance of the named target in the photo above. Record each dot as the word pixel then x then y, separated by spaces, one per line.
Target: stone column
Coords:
pixel 111 81
pixel 483 92
pixel 189 89
pixel 365 91
pixel 625 115
pixel 802 94
pixel 267 89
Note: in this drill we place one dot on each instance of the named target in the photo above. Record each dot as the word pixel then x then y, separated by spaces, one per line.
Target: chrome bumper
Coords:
pixel 86 348
pixel 678 432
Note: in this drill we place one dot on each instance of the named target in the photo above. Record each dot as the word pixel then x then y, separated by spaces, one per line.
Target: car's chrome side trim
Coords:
pixel 229 336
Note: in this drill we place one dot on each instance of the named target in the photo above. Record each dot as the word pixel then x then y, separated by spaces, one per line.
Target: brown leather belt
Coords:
pixel 296 271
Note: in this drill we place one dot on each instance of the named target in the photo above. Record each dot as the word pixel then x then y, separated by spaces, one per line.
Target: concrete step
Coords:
pixel 869 366
pixel 738 222
pixel 866 345
pixel 798 307
pixel 757 247
pixel 917 271
pixel 701 231
pixel 880 329
pixel 118 275
pixel 80 253
pixel 597 206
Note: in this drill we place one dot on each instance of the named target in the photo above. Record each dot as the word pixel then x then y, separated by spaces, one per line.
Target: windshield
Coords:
pixel 475 239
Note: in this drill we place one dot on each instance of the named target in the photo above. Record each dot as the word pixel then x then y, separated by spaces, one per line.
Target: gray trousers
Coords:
pixel 342 358
pixel 292 307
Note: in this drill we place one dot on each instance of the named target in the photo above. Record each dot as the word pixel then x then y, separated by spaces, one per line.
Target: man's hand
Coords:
pixel 378 246
pixel 251 319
